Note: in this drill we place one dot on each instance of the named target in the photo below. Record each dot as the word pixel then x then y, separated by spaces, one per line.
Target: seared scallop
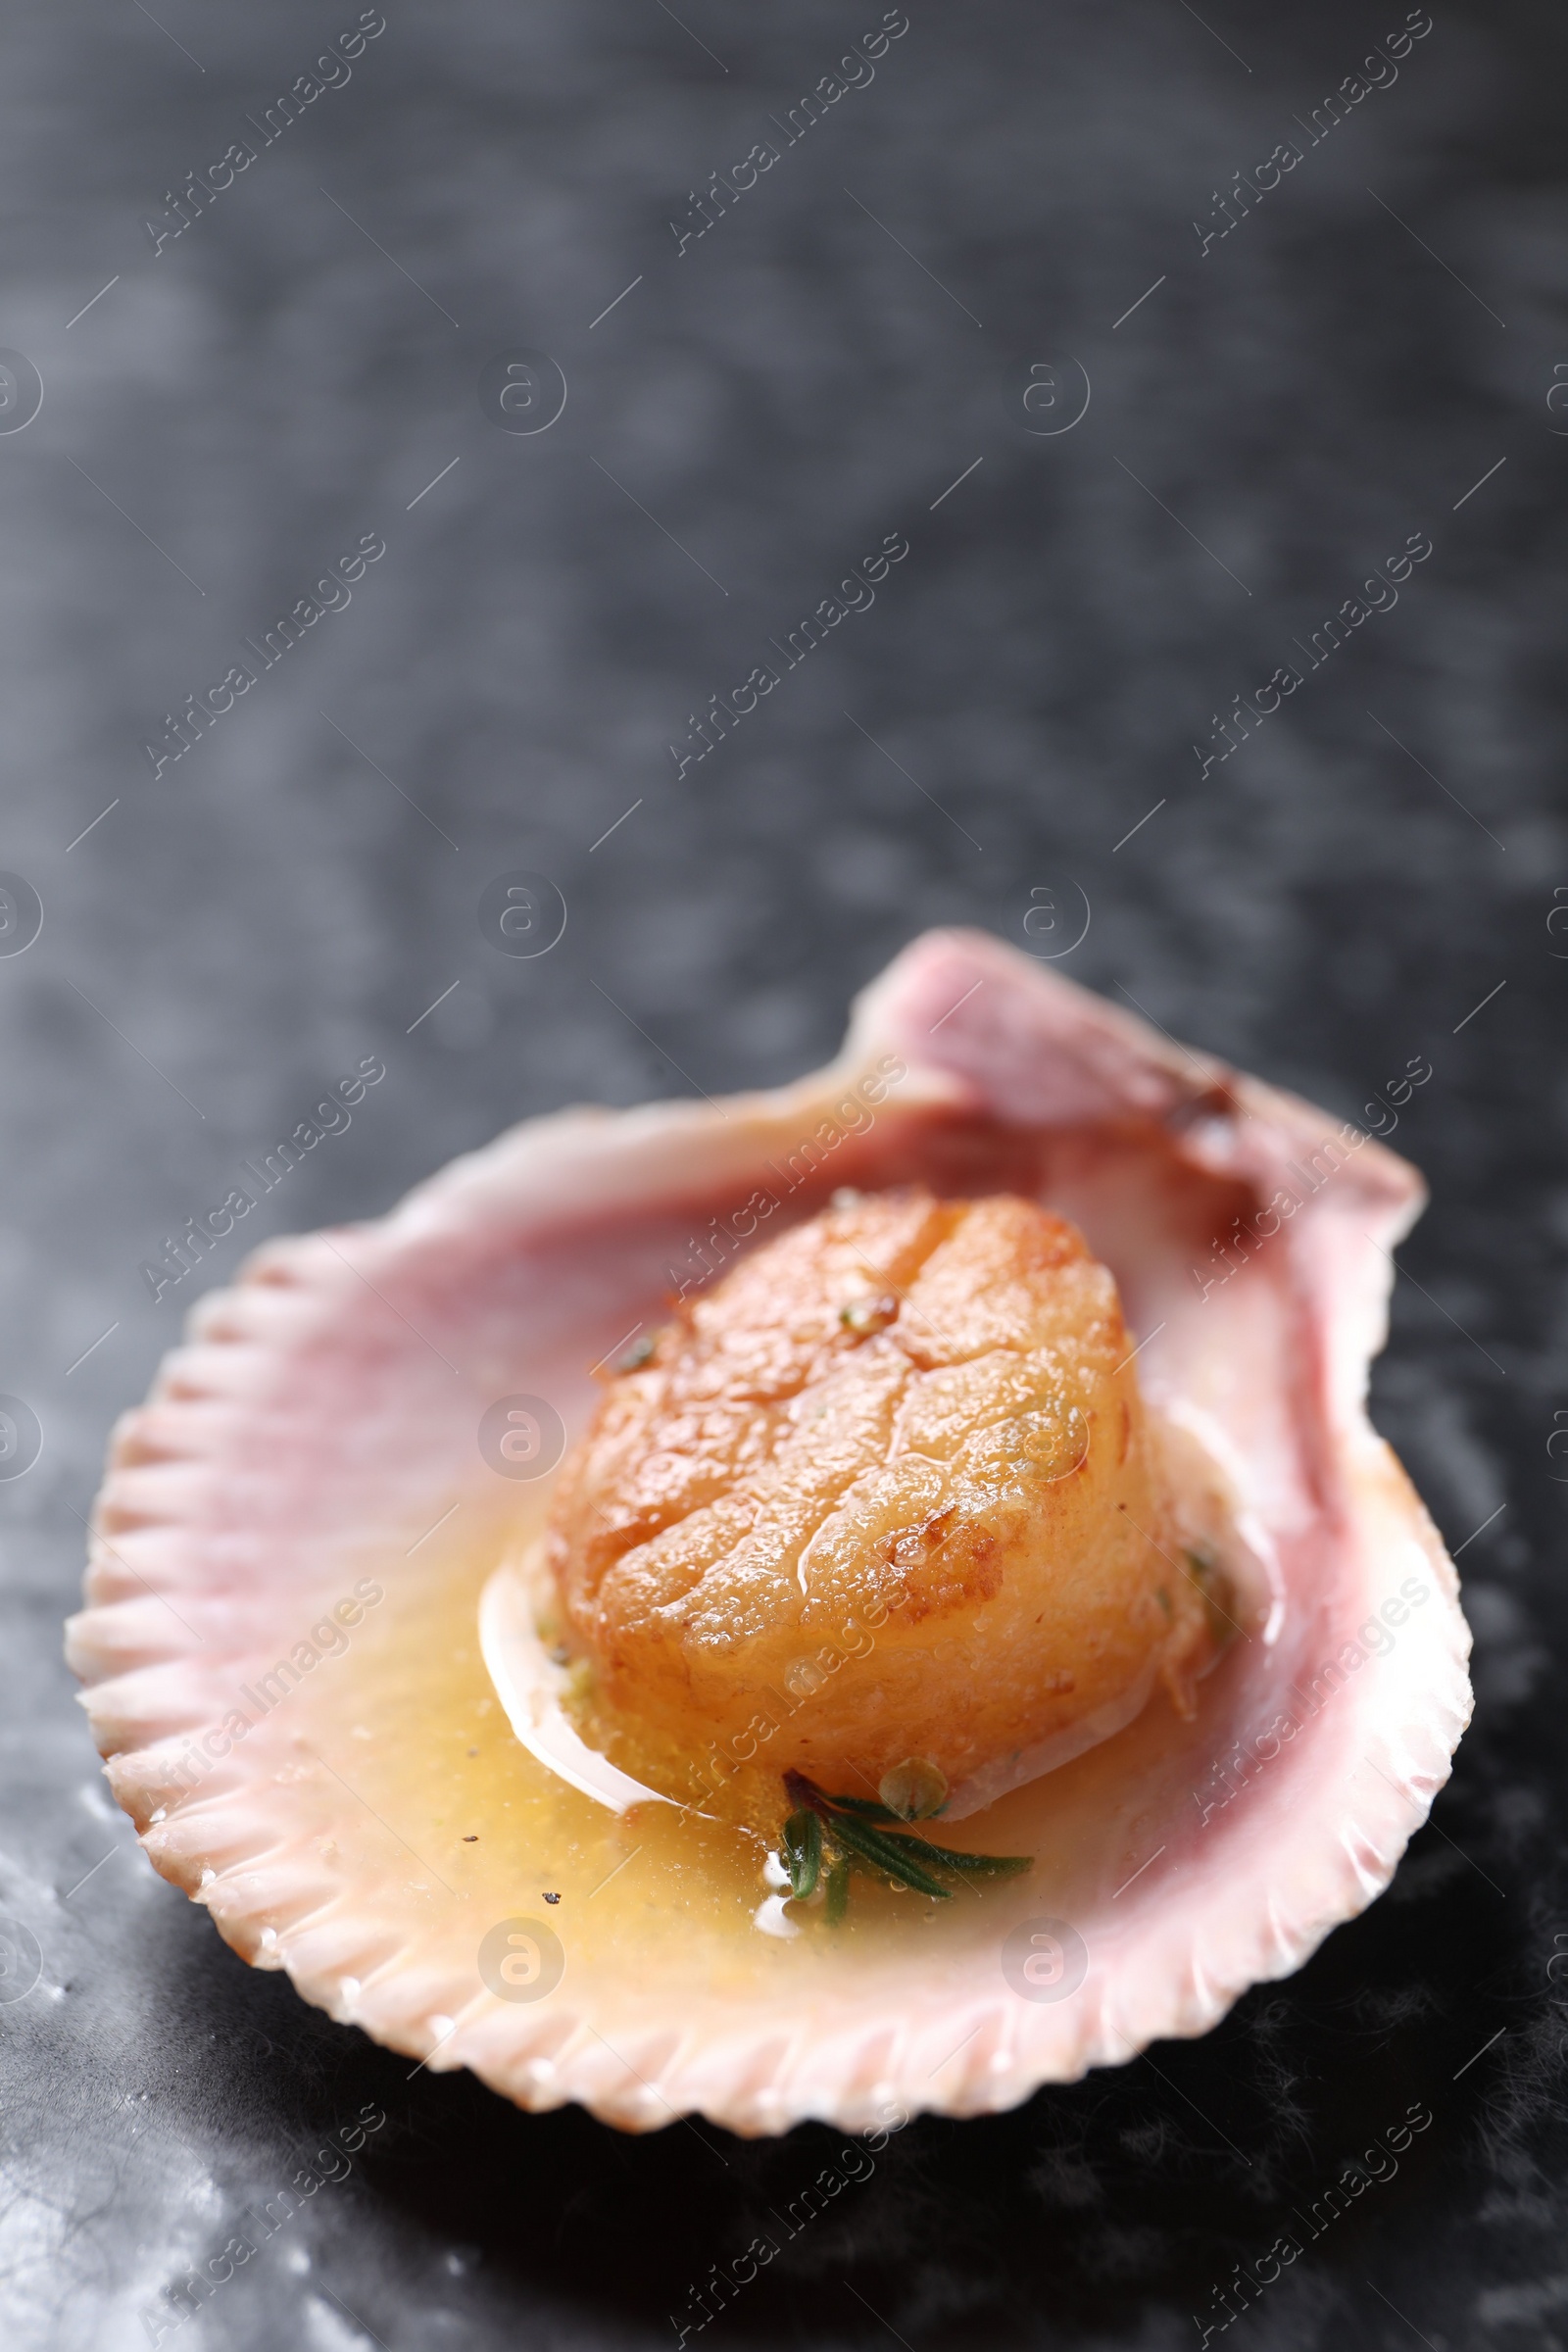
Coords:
pixel 885 1493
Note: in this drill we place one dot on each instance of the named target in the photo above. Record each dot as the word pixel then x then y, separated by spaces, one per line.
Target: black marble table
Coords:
pixel 1038 292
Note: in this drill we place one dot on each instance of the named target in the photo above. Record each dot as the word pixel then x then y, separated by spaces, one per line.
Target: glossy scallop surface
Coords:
pixel 884 1492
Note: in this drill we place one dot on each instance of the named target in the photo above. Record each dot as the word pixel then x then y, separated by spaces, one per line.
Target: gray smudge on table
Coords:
pixel 852 335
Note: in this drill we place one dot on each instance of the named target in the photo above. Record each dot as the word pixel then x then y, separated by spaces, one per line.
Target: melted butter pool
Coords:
pixel 452 1825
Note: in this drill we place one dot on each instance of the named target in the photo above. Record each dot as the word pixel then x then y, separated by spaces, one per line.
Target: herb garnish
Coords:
pixel 856 1832
pixel 1217 1591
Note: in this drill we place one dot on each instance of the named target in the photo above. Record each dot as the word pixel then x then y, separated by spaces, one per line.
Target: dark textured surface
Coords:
pixel 269 386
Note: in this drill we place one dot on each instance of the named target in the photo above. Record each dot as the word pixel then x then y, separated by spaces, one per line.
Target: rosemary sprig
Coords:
pixel 802 1852
pixel 891 1854
pixel 849 1829
pixel 867 1806
pixel 986 1866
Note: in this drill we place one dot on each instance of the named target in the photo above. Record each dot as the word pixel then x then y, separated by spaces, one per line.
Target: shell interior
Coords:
pixel 288 1672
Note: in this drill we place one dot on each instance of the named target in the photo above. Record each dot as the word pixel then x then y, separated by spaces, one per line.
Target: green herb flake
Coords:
pixel 864 1316
pixel 915 1789
pixel 868 1807
pixel 1219 1595
pixel 801 1850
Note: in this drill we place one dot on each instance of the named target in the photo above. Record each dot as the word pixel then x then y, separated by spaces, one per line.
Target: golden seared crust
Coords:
pixel 883 1492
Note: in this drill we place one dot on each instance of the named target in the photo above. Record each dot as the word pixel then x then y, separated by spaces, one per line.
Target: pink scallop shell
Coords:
pixel 323 1411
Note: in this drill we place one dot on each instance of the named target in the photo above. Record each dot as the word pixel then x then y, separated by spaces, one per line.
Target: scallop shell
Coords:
pixel 316 1432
